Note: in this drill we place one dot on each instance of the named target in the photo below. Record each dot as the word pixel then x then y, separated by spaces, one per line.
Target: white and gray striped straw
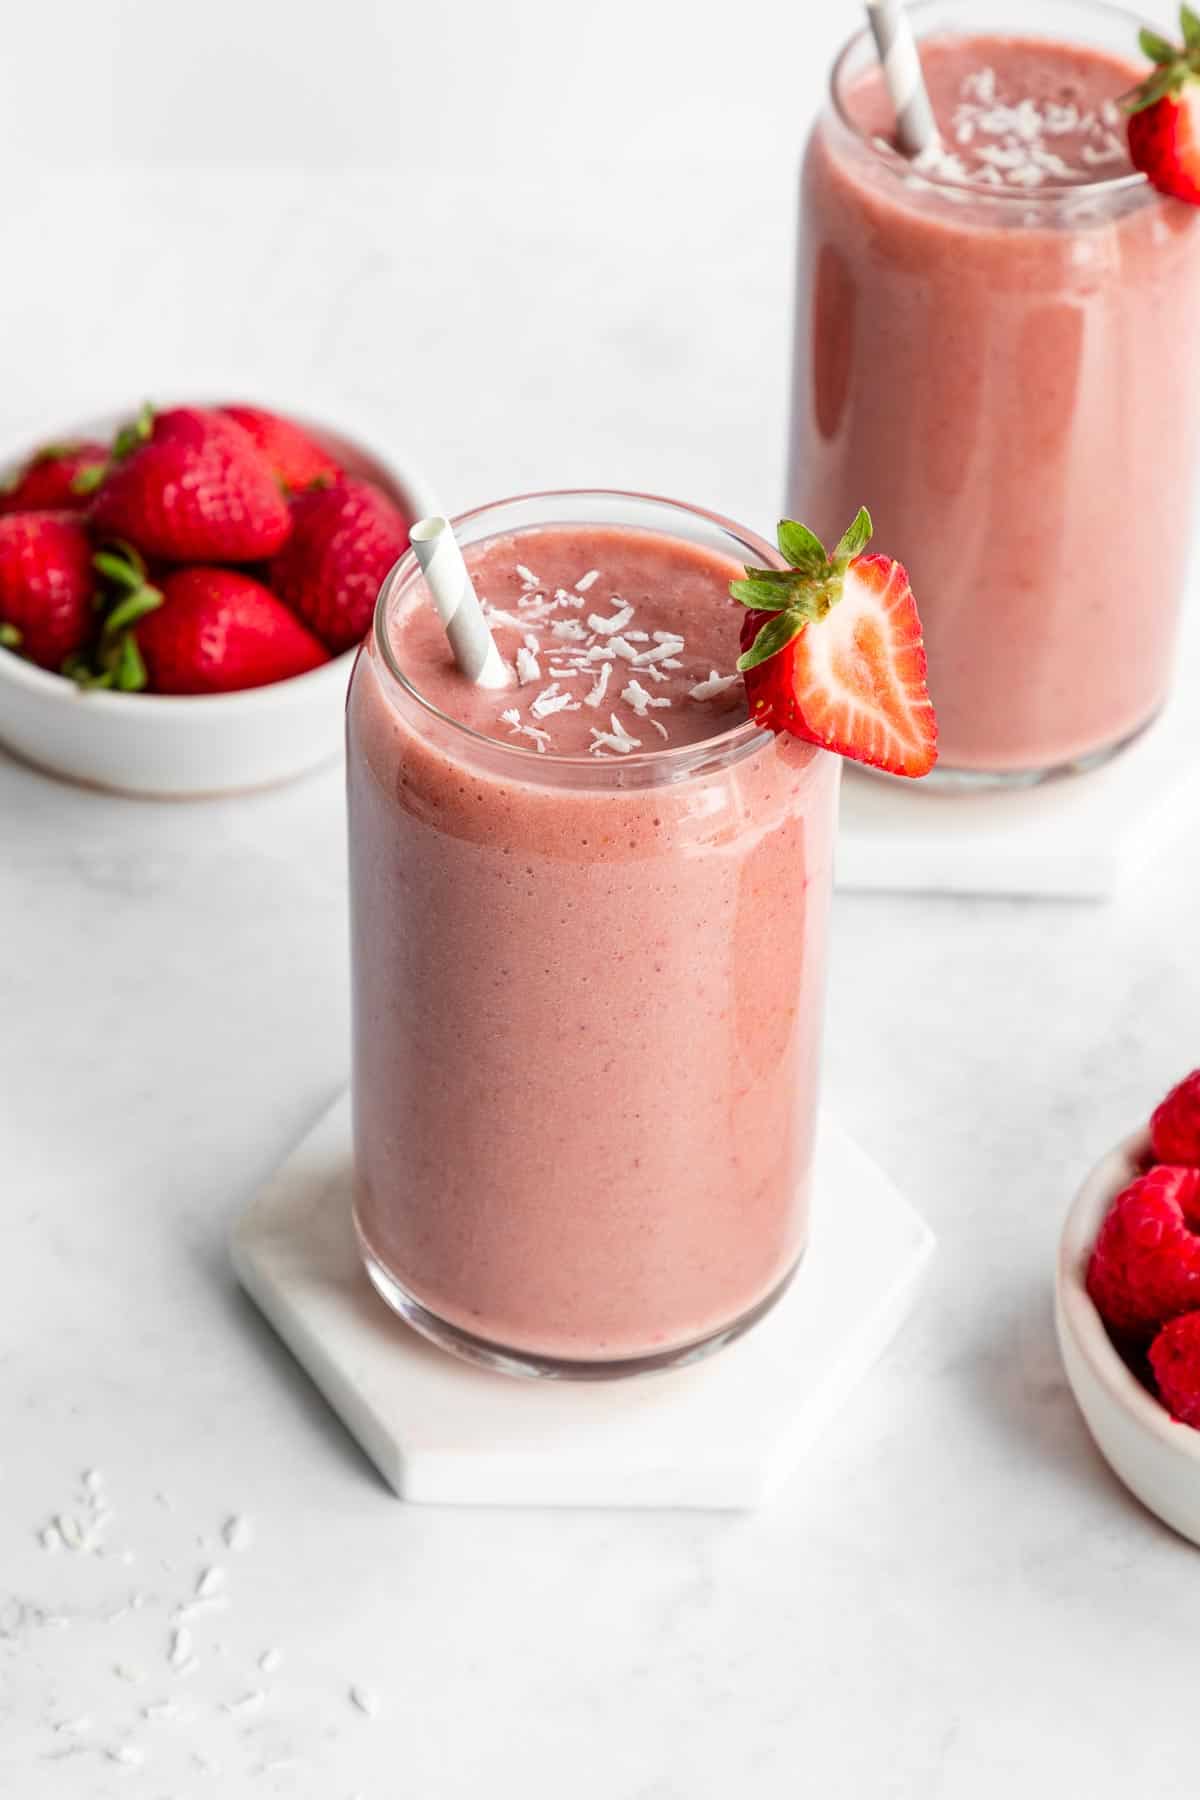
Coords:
pixel 916 128
pixel 447 578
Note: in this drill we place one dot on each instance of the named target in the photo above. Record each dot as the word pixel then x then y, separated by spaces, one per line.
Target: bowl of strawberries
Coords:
pixel 182 593
pixel 1128 1308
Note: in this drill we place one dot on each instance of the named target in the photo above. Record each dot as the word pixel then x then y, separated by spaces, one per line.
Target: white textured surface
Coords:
pixel 726 1433
pixel 961 1599
pixel 1085 837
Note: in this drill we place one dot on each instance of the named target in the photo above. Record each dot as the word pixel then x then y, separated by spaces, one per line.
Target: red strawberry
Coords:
pixel 297 459
pixel 1164 121
pixel 1175 1125
pixel 344 540
pixel 46 586
pixel 832 651
pixel 1175 1360
pixel 1145 1267
pixel 217 630
pixel 191 486
pixel 56 478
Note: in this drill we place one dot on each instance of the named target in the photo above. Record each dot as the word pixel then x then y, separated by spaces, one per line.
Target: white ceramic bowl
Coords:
pixel 186 745
pixel 1157 1458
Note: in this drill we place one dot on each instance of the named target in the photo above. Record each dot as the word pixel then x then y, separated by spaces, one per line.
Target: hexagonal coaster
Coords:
pixel 724 1433
pixel 1077 836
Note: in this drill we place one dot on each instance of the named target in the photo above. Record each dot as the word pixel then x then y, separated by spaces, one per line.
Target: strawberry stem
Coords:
pixel 89 478
pixel 804 592
pixel 136 433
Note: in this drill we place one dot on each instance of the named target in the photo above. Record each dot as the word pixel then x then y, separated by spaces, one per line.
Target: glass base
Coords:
pixel 487 1355
pixel 945 777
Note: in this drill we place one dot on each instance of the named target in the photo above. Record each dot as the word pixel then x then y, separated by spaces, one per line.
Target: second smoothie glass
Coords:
pixel 1012 378
pixel 587 1009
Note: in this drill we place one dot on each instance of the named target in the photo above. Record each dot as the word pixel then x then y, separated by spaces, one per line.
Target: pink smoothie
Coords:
pixel 1002 361
pixel 588 951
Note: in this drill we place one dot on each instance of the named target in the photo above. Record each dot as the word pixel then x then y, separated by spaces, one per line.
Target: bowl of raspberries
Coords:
pixel 1128 1308
pixel 183 590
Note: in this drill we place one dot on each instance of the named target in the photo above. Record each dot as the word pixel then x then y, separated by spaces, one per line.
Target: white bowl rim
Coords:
pixel 277 693
pixel 1078 1313
pixel 59 687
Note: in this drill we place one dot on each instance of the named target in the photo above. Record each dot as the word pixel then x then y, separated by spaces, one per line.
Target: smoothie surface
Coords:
pixel 1014 112
pixel 620 641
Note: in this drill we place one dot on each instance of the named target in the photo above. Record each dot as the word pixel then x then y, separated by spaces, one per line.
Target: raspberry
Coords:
pixel 1145 1267
pixel 1175 1359
pixel 1175 1125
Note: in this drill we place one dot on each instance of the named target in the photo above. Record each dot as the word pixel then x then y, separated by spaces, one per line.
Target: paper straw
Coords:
pixel 441 560
pixel 916 128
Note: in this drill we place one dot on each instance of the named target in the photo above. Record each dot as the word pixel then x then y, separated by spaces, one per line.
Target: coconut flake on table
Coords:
pixel 162 1709
pixel 127 1754
pixel 249 1702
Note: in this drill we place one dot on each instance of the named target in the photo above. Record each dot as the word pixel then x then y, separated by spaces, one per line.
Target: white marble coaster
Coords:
pixel 725 1433
pixel 1082 836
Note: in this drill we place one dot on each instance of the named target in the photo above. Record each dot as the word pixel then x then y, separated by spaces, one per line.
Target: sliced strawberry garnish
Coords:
pixel 832 651
pixel 1164 121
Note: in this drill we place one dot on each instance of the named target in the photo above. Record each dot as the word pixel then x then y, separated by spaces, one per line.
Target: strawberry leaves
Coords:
pixel 123 597
pixel 854 539
pixel 1174 66
pixel 802 593
pixel 802 547
pixel 775 635
pixel 1159 50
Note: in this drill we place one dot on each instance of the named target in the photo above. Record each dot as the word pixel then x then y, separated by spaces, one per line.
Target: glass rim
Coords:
pixel 737 742
pixel 1104 185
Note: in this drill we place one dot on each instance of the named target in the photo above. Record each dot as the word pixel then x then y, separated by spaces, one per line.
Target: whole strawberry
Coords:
pixel 344 540
pixel 297 460
pixel 832 651
pixel 57 478
pixel 216 631
pixel 1175 1361
pixel 46 586
pixel 191 486
pixel 1145 1268
pixel 1175 1125
pixel 1164 113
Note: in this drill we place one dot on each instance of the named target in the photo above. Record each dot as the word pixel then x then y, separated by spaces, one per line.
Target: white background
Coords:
pixel 519 247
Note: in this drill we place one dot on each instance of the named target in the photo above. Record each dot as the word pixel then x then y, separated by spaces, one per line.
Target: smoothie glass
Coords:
pixel 587 1007
pixel 1012 375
